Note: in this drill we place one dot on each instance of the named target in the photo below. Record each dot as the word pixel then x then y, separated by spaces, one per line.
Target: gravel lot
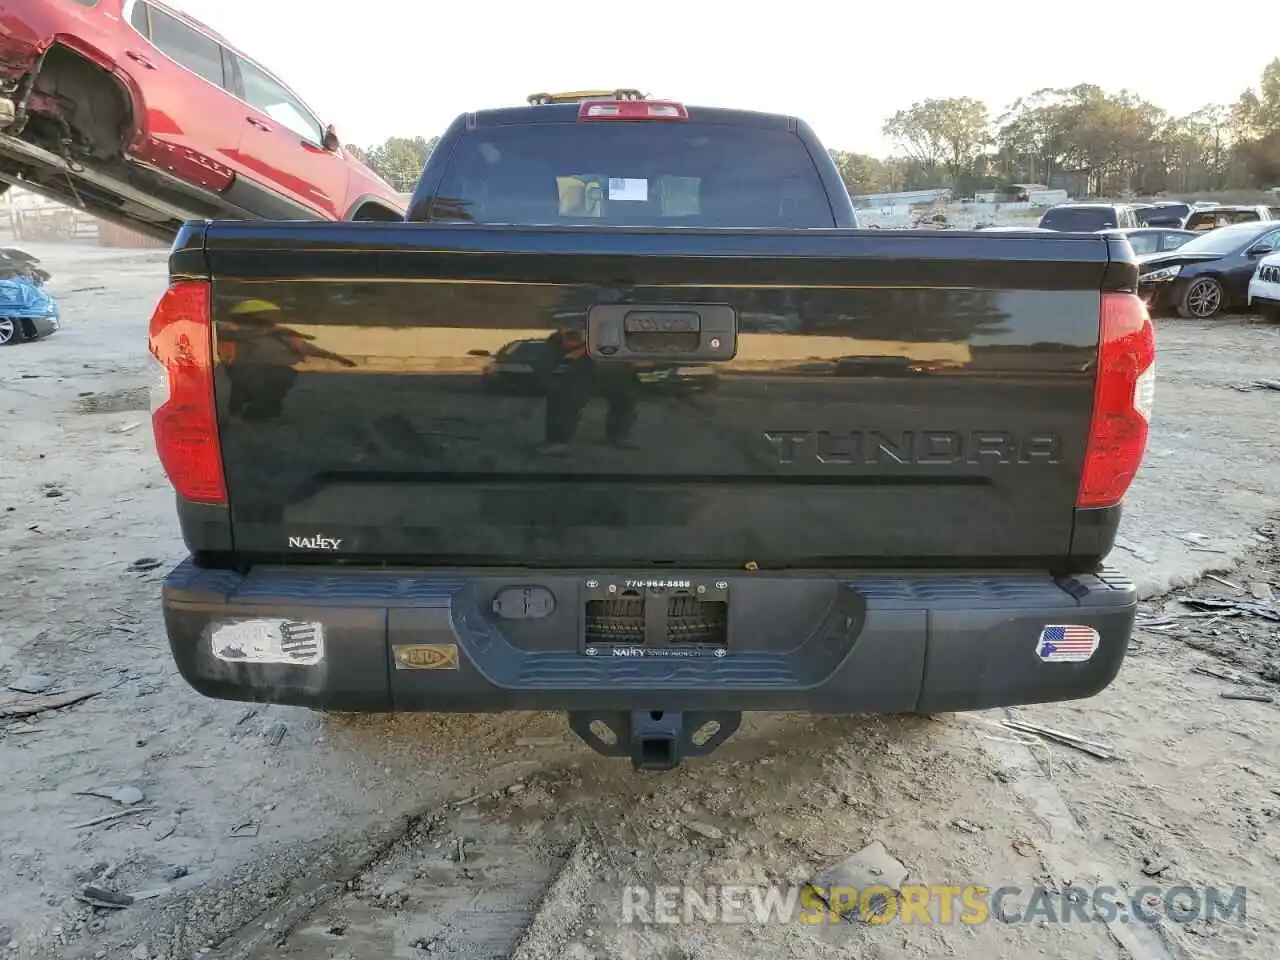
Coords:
pixel 274 832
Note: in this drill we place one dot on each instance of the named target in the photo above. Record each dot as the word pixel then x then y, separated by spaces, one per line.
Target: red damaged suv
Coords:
pixel 145 117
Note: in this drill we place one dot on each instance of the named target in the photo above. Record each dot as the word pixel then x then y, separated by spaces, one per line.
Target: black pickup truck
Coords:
pixel 898 497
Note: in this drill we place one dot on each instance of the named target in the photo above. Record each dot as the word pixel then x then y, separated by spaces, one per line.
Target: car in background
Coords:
pixel 1152 240
pixel 1264 287
pixel 1224 215
pixel 1209 274
pixel 1088 217
pixel 145 117
pixel 1163 213
pixel 521 366
pixel 19 263
pixel 27 311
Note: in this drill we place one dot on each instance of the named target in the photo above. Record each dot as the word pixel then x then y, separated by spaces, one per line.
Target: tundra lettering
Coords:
pixel 910 447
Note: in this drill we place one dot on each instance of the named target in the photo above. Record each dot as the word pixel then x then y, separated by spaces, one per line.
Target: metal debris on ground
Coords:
pixel 106 899
pixel 33 683
pixel 249 828
pixel 34 705
pixel 1198 542
pixel 111 817
pixel 1154 865
pixel 1102 751
pixel 1266 384
pixel 1226 583
pixel 1141 553
pixel 705 830
pixel 127 795
pixel 1257 697
pixel 872 866
pixel 1228 606
pixel 1219 673
pixel 1024 847
pixel 1261 590
pixel 144 565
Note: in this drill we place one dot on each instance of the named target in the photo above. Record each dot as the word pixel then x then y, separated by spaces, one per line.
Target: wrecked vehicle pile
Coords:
pixel 144 117
pixel 27 310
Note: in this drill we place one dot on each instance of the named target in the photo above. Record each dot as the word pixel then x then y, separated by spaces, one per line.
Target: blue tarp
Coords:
pixel 20 299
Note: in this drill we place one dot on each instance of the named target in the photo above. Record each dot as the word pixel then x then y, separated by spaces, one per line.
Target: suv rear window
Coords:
pixel 1081 219
pixel 1163 215
pixel 633 174
pixel 1213 218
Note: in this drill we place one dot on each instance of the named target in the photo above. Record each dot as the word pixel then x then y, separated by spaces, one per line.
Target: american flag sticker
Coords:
pixel 269 640
pixel 1067 643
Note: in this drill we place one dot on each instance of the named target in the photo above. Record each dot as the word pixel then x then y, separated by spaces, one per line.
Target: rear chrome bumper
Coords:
pixel 835 643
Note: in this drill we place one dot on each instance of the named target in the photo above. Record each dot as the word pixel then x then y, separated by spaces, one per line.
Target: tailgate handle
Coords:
pixel 702 332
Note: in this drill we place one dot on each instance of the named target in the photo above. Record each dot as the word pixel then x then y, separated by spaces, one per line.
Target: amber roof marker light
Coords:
pixel 577 96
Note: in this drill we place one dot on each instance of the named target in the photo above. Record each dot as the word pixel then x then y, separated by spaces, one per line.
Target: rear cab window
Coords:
pixel 633 174
pixel 1079 219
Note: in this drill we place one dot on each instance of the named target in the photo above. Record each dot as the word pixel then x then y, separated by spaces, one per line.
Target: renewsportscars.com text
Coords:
pixel 941 904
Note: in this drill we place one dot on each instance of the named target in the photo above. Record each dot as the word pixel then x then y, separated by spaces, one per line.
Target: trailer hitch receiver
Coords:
pixel 654 739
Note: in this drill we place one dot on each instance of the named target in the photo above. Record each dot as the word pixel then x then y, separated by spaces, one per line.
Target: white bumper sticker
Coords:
pixel 294 642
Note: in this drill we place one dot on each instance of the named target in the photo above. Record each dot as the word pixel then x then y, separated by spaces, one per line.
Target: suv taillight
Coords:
pixel 1122 399
pixel 186 420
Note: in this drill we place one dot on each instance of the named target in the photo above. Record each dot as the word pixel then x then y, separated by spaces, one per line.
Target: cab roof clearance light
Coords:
pixel 632 110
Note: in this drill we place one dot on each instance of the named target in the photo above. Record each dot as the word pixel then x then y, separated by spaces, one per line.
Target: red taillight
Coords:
pixel 632 110
pixel 186 421
pixel 1122 401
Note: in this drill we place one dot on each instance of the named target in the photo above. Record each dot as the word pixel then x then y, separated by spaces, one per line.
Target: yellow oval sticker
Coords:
pixel 425 656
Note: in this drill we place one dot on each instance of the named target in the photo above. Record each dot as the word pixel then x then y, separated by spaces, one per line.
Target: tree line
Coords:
pixel 398 160
pixel 1084 138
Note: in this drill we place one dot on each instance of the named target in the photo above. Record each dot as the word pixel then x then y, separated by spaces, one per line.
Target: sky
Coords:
pixel 377 68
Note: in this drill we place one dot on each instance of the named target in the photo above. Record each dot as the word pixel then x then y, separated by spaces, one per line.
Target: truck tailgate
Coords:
pixel 420 393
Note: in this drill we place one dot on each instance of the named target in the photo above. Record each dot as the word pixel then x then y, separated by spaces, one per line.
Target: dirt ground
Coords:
pixel 273 832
